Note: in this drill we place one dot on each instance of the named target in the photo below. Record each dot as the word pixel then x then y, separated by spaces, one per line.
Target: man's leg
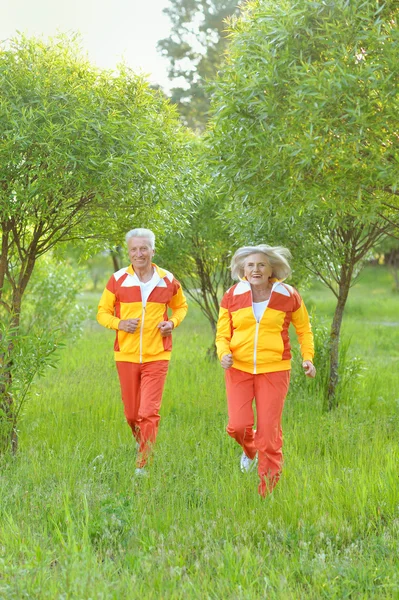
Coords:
pixel 153 376
pixel 129 379
pixel 270 392
pixel 240 394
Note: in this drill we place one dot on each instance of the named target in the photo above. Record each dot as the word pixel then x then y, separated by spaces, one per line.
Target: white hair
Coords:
pixel 276 256
pixel 143 233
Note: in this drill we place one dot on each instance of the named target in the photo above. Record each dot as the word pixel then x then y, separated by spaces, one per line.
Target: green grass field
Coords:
pixel 76 524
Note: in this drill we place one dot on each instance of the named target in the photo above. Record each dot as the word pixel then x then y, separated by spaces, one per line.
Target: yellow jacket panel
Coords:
pixel 264 346
pixel 122 299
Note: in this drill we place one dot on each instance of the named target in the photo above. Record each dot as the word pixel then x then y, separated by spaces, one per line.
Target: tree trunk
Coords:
pixel 9 434
pixel 344 286
pixel 393 265
pixel 211 352
pixel 116 258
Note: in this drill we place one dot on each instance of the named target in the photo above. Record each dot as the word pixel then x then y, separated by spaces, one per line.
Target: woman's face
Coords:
pixel 257 269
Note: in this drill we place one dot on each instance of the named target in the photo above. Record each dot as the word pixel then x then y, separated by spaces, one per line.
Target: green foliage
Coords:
pixel 304 133
pixel 200 253
pixel 80 256
pixel 52 299
pixel 331 243
pixel 195 49
pixel 305 108
pixel 84 153
pixel 76 523
pixel 51 317
pixel 79 144
pixel 351 368
pixel 388 252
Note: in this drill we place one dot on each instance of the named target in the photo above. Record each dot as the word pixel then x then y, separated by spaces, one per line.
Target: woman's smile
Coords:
pixel 257 269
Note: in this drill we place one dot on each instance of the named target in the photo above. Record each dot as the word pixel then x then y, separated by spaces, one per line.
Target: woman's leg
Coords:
pixel 240 394
pixel 270 392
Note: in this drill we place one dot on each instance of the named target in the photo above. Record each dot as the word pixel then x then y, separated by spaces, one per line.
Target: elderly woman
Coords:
pixel 253 347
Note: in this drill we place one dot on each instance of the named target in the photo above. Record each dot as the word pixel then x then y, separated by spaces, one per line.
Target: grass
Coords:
pixel 76 524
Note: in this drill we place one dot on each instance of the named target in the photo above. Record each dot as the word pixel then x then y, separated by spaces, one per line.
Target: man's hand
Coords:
pixel 128 325
pixel 309 368
pixel 227 361
pixel 166 328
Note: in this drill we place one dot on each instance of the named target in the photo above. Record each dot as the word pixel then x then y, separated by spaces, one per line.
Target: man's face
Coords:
pixel 140 253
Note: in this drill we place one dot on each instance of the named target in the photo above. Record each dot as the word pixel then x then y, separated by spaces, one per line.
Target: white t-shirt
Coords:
pixel 259 308
pixel 148 286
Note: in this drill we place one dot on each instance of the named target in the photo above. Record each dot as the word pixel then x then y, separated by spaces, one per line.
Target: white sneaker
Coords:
pixel 141 472
pixel 247 464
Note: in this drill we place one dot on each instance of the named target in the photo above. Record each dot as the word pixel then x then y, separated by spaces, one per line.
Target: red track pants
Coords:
pixel 142 386
pixel 269 391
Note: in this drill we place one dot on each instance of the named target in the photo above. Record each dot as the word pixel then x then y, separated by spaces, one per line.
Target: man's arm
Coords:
pixel 106 308
pixel 178 305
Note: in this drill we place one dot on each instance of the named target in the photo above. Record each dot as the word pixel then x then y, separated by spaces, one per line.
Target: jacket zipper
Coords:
pixel 141 333
pixel 143 317
pixel 256 343
pixel 257 325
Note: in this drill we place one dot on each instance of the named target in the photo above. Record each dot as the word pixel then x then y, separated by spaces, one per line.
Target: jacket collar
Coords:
pixel 158 270
pixel 274 281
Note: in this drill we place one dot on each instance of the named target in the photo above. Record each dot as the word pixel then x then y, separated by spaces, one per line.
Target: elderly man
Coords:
pixel 135 303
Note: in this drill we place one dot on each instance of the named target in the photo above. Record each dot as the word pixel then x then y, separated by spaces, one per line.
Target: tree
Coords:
pixel 195 49
pixel 51 316
pixel 82 152
pixel 388 253
pixel 341 245
pixel 305 131
pixel 201 252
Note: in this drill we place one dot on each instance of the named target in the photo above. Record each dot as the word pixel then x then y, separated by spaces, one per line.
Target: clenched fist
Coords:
pixel 128 325
pixel 166 328
pixel 227 361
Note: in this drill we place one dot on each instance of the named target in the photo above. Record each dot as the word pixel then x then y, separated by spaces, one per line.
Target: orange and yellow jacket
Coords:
pixel 122 299
pixel 262 347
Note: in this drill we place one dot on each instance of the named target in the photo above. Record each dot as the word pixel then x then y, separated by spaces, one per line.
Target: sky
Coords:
pixel 110 30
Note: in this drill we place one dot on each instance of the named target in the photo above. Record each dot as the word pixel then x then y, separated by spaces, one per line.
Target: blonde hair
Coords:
pixel 276 256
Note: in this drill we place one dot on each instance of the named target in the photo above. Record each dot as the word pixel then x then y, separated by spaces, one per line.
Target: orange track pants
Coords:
pixel 141 387
pixel 269 391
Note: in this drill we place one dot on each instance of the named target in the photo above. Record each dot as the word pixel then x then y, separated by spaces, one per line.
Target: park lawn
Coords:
pixel 76 523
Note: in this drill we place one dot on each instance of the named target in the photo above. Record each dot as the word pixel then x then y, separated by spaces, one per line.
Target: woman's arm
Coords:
pixel 301 322
pixel 223 330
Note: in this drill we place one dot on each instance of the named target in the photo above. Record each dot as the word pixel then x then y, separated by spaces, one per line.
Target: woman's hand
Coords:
pixel 309 368
pixel 227 361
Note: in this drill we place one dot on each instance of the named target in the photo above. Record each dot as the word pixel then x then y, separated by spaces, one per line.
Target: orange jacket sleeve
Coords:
pixel 223 329
pixel 178 305
pixel 301 322
pixel 106 308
